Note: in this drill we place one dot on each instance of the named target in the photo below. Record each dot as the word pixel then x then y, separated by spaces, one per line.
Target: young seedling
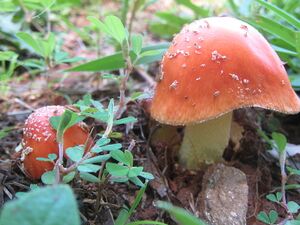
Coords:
pixel 279 142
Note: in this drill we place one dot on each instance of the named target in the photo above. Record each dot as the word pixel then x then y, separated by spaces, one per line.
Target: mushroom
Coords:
pixel 39 140
pixel 214 66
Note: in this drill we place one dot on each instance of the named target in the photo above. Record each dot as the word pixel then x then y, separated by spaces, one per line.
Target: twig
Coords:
pixel 146 77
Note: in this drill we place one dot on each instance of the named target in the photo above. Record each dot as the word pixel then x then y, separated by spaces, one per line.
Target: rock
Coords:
pixel 224 196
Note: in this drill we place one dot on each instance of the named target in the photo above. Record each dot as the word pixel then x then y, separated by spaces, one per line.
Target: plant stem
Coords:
pixel 59 161
pixel 125 5
pixel 123 84
pixel 132 17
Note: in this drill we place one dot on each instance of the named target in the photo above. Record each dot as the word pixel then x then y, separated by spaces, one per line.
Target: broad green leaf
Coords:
pixel 125 120
pixel 116 61
pixel 112 62
pixel 102 142
pixel 49 177
pixel 54 205
pixel 69 177
pixel 128 158
pixel 75 153
pixel 135 171
pixel 116 28
pixel 293 207
pixel 97 159
pixel 280 141
pixel 117 170
pixel 291 222
pixel 89 168
pixel 112 26
pixel 89 177
pixel 273 216
pixel 137 43
pixel 29 40
pixel 119 156
pixel 147 176
pixel 180 215
pixel 63 124
pixel 263 217
pixel 52 156
pixel 111 147
pixel 272 198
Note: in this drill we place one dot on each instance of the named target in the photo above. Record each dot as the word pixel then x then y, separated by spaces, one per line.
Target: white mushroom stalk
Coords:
pixel 204 143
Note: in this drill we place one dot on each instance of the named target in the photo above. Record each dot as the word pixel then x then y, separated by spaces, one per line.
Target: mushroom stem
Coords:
pixel 204 143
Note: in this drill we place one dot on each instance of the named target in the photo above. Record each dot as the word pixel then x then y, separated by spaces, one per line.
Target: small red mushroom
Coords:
pixel 39 140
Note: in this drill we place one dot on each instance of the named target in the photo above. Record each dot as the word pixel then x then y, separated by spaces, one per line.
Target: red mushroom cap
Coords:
pixel 216 65
pixel 39 139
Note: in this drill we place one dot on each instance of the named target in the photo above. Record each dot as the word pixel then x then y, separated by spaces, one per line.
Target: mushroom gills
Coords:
pixel 204 143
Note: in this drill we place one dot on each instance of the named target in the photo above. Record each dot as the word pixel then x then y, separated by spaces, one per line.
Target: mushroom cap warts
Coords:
pixel 216 65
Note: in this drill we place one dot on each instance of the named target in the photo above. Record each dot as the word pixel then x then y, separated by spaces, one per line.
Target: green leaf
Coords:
pixel 111 147
pixel 277 29
pixel 7 55
pixel 281 13
pixel 293 207
pixel 125 120
pixel 198 10
pixel 49 177
pixel 273 216
pixel 117 170
pixel 122 217
pixel 280 141
pixel 135 171
pixel 112 62
pixel 88 168
pixel 33 43
pixel 144 222
pixel 293 171
pixel 63 124
pixel 291 222
pixel 52 156
pixel 128 158
pixel 116 61
pixel 272 198
pixel 116 28
pixel 54 121
pixel 55 205
pixel 182 216
pixel 69 177
pixel 263 217
pixel 147 176
pixel 75 153
pixel 89 177
pixel 43 159
pixel 102 141
pixel 112 26
pixel 119 156
pixel 97 159
pixel 136 181
pixel 137 43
